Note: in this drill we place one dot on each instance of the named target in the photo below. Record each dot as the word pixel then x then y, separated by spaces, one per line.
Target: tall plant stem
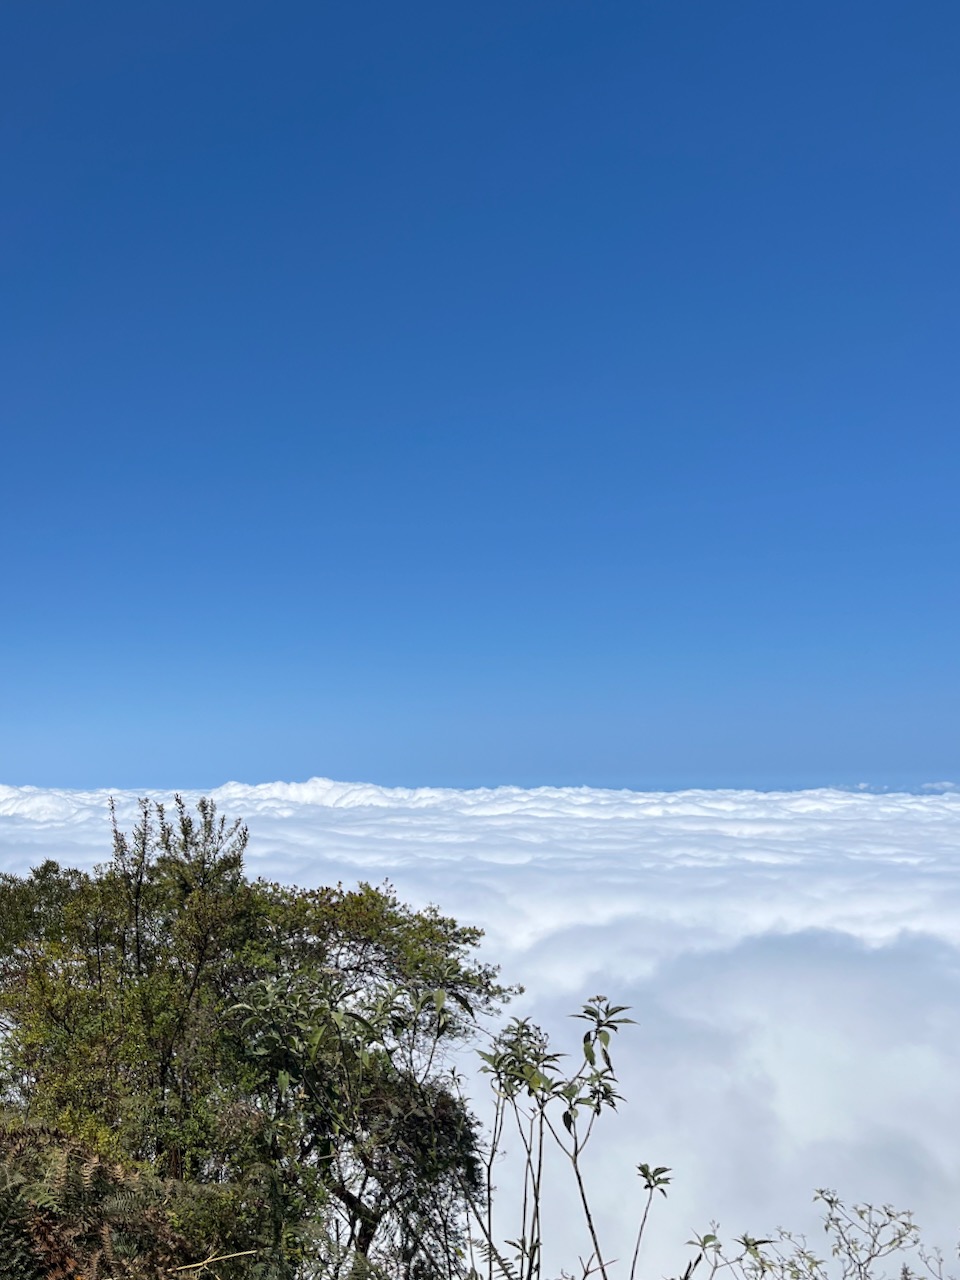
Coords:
pixel 574 1160
pixel 643 1223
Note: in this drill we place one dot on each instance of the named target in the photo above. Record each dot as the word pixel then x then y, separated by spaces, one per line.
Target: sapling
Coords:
pixel 547 1107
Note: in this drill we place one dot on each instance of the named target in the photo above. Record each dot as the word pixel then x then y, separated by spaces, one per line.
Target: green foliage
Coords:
pixel 280 1048
pixel 543 1104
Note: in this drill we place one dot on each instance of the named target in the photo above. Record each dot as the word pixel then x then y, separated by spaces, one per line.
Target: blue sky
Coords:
pixel 464 394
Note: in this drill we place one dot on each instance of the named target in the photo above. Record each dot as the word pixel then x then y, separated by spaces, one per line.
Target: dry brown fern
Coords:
pixel 66 1214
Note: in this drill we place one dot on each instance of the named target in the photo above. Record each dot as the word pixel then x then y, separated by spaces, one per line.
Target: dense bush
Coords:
pixel 279 1048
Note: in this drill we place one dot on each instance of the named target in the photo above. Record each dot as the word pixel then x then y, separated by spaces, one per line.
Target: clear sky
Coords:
pixel 458 394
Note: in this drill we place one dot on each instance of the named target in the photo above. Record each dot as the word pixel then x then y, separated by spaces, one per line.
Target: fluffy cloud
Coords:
pixel 792 960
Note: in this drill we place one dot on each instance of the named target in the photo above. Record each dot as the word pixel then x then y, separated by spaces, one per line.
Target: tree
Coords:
pixel 281 1047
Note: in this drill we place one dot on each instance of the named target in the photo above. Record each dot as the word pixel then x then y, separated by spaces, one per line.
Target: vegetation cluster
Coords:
pixel 217 1078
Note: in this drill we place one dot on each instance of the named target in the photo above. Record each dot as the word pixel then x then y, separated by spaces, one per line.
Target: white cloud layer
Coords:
pixel 792 960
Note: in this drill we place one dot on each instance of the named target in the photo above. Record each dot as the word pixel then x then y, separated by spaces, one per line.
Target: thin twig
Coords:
pixel 220 1257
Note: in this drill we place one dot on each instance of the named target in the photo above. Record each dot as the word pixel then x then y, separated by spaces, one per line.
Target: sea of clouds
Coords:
pixel 792 960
